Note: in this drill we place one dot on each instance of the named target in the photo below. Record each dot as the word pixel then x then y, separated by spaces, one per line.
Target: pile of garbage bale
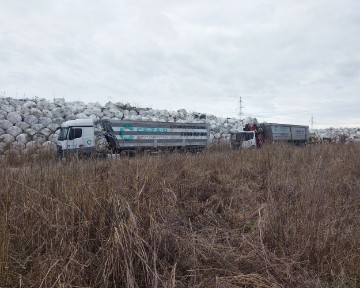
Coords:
pixel 338 135
pixel 27 124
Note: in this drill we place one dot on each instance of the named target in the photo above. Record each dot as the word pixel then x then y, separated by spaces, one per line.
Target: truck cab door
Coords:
pixel 248 140
pixel 75 140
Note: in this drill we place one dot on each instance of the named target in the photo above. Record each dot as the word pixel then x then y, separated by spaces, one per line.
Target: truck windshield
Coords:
pixel 63 133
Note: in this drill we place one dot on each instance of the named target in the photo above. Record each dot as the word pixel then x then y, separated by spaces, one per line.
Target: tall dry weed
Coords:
pixel 277 217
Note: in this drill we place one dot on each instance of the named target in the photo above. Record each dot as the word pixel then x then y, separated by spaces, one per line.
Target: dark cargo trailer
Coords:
pixel 270 133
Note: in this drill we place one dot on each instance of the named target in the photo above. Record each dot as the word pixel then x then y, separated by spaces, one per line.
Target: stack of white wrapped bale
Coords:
pixel 31 123
pixel 339 135
pixel 27 124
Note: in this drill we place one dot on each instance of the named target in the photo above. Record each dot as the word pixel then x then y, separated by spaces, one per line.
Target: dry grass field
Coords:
pixel 276 217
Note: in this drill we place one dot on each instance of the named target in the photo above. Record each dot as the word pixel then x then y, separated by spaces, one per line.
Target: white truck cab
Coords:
pixel 243 140
pixel 76 136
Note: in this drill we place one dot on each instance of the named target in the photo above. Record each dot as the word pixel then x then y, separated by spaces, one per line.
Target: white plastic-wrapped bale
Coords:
pixel 94 111
pixel 128 117
pixel 31 120
pixel 326 135
pixel 14 117
pixel 32 145
pixel 144 114
pixel 16 103
pixel 119 105
pixel 226 137
pixel 23 111
pixel 58 121
pixel 109 105
pixel 7 108
pixel 94 117
pixel 217 135
pixel 174 116
pixel 108 113
pixel 211 122
pixel 22 125
pixel 212 117
pixel 29 104
pixel 47 113
pixel 60 102
pixel 3 101
pixel 46 132
pixel 94 105
pixel 37 127
pixel 7 138
pixel 133 113
pixel 22 138
pixel 3 114
pixel 51 106
pixel 43 104
pixel 163 118
pixel 53 138
pixel 60 112
pixel 67 111
pixel 118 114
pixel 30 131
pixel 225 125
pixel 36 112
pixel 82 116
pixel 165 113
pixel 215 129
pixel 49 146
pixel 2 131
pixel 14 131
pixel 5 124
pixel 76 107
pixel 88 112
pixel 98 113
pixel 45 121
pixel 39 138
pixel 53 126
pixel 195 115
pixel 182 113
pixel 71 117
pixel 232 121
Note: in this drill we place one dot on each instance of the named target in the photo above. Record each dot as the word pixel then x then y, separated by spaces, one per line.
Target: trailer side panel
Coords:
pixel 139 134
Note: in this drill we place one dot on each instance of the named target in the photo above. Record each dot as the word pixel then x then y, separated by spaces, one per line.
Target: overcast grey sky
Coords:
pixel 287 59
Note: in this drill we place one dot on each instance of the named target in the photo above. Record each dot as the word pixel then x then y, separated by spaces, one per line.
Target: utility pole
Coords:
pixel 312 122
pixel 241 109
